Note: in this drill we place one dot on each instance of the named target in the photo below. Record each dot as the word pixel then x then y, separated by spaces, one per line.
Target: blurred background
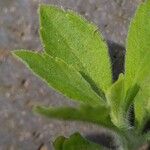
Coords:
pixel 20 129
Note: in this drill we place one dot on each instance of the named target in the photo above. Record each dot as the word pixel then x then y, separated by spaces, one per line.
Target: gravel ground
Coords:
pixel 20 129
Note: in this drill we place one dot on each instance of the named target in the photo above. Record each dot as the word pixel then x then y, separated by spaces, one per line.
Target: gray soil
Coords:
pixel 20 129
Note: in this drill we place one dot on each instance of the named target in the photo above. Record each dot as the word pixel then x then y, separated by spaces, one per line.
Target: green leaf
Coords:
pixel 58 144
pixel 138 47
pixel 142 105
pixel 75 142
pixel 98 115
pixel 130 96
pixel 60 76
pixel 115 96
pixel 70 37
pixel 138 64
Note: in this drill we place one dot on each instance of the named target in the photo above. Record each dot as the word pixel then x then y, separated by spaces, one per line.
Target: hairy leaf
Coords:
pixel 142 105
pixel 75 142
pixel 98 115
pixel 60 76
pixel 137 66
pixel 115 96
pixel 138 46
pixel 70 37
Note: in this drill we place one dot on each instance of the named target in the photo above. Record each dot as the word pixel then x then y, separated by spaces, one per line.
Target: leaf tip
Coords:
pixel 17 53
pixel 37 109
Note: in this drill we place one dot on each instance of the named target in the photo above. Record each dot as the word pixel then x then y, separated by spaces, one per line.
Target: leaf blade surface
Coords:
pixel 60 76
pixel 142 105
pixel 77 142
pixel 70 37
pixel 138 46
pixel 98 115
pixel 115 96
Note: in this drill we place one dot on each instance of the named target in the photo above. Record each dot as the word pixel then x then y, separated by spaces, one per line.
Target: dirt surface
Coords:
pixel 20 129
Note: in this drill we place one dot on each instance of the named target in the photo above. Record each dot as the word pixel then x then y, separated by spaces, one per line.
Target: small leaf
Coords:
pixel 98 115
pixel 60 76
pixel 70 37
pixel 138 47
pixel 142 105
pixel 76 142
pixel 115 96
pixel 58 143
pixel 130 96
